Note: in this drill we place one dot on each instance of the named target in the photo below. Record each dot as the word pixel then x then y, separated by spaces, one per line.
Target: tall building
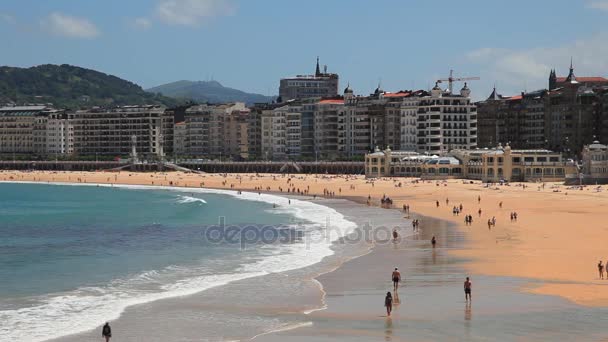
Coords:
pixel 179 139
pixel 321 84
pixel 282 132
pixel 22 129
pixel 54 133
pixel 328 129
pixel 114 131
pixel 518 120
pixel 217 131
pixel 446 121
pixel 574 114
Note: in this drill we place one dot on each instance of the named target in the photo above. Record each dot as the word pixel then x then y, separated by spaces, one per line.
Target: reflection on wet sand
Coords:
pixel 388 329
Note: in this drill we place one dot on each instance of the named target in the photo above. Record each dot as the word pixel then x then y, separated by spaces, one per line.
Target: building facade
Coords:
pixel 488 165
pixel 446 122
pixel 120 131
pixel 217 131
pixel 518 120
pixel 321 84
pixel 23 129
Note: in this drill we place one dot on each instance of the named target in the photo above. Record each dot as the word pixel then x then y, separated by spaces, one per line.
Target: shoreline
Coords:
pixel 314 273
pixel 504 251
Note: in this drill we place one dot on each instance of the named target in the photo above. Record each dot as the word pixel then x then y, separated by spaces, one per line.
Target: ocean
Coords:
pixel 75 256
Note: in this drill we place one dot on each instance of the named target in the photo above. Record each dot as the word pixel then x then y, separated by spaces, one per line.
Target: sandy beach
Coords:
pixel 552 249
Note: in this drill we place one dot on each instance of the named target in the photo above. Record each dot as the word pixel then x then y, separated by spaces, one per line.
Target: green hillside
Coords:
pixel 72 87
pixel 209 91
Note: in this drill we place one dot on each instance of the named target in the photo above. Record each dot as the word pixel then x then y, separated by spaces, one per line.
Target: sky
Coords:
pixel 251 44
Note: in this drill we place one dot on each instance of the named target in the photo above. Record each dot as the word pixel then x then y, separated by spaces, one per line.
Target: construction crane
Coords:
pixel 452 79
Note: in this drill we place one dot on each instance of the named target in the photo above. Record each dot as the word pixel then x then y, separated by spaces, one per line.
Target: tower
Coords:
pixel 571 78
pixel 552 80
pixel 318 71
pixel 348 94
pixel 465 91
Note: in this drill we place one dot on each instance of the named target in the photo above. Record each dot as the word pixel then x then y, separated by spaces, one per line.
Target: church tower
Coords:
pixel 552 80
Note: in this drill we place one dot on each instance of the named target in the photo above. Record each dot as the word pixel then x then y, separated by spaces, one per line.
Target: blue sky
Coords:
pixel 250 45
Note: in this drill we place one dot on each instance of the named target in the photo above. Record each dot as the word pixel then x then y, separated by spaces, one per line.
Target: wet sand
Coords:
pixel 519 269
pixel 432 304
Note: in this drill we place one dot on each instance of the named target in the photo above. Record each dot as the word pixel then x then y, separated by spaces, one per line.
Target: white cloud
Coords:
pixel 193 12
pixel 598 4
pixel 517 69
pixel 68 26
pixel 142 23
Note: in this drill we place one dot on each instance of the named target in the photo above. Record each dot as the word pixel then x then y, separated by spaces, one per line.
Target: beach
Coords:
pixel 546 259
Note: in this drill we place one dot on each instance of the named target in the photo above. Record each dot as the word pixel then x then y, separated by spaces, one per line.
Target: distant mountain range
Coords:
pixel 68 86
pixel 208 91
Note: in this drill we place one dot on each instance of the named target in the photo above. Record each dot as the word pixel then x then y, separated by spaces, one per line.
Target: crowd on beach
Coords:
pixel 354 187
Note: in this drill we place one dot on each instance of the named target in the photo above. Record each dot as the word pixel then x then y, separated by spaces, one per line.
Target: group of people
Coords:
pixel 386 202
pixel 415 225
pixel 514 216
pixel 396 278
pixel 600 268
pixel 468 220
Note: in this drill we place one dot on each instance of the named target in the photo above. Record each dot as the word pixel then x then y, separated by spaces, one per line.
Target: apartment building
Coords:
pixel 21 129
pixel 282 132
pixel 320 84
pixel 329 132
pixel 115 131
pixel 217 131
pixel 54 133
pixel 446 121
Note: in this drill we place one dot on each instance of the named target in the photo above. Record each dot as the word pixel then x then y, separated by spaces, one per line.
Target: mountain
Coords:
pixel 210 91
pixel 68 86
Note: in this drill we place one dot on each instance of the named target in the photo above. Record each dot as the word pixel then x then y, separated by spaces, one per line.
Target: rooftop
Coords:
pixel 591 79
pixel 331 101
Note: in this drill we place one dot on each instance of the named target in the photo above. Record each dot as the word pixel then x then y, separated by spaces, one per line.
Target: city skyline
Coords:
pixel 244 45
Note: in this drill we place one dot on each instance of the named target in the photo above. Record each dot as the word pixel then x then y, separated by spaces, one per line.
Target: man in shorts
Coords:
pixel 467 289
pixel 396 278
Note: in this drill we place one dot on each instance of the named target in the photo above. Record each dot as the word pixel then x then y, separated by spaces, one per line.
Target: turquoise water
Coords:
pixel 74 256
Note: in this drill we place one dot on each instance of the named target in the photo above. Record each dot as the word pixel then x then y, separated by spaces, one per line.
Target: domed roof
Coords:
pixel 466 87
pixel 436 87
pixel 348 89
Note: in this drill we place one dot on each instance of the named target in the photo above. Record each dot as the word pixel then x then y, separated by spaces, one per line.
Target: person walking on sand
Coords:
pixel 600 268
pixel 479 212
pixel 467 289
pixel 396 276
pixel 388 303
pixel 106 332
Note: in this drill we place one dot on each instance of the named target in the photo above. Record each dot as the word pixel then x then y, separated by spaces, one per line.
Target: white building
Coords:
pixel 282 132
pixel 446 122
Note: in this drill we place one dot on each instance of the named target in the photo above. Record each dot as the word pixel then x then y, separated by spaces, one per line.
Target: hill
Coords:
pixel 208 91
pixel 72 87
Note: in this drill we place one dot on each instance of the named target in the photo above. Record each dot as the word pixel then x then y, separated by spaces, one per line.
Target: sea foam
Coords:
pixel 83 309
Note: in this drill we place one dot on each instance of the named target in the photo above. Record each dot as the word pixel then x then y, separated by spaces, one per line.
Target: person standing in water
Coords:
pixel 388 303
pixel 106 332
pixel 467 289
pixel 396 278
pixel 433 241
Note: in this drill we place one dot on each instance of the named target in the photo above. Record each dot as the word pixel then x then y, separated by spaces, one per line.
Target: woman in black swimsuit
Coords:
pixel 388 302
